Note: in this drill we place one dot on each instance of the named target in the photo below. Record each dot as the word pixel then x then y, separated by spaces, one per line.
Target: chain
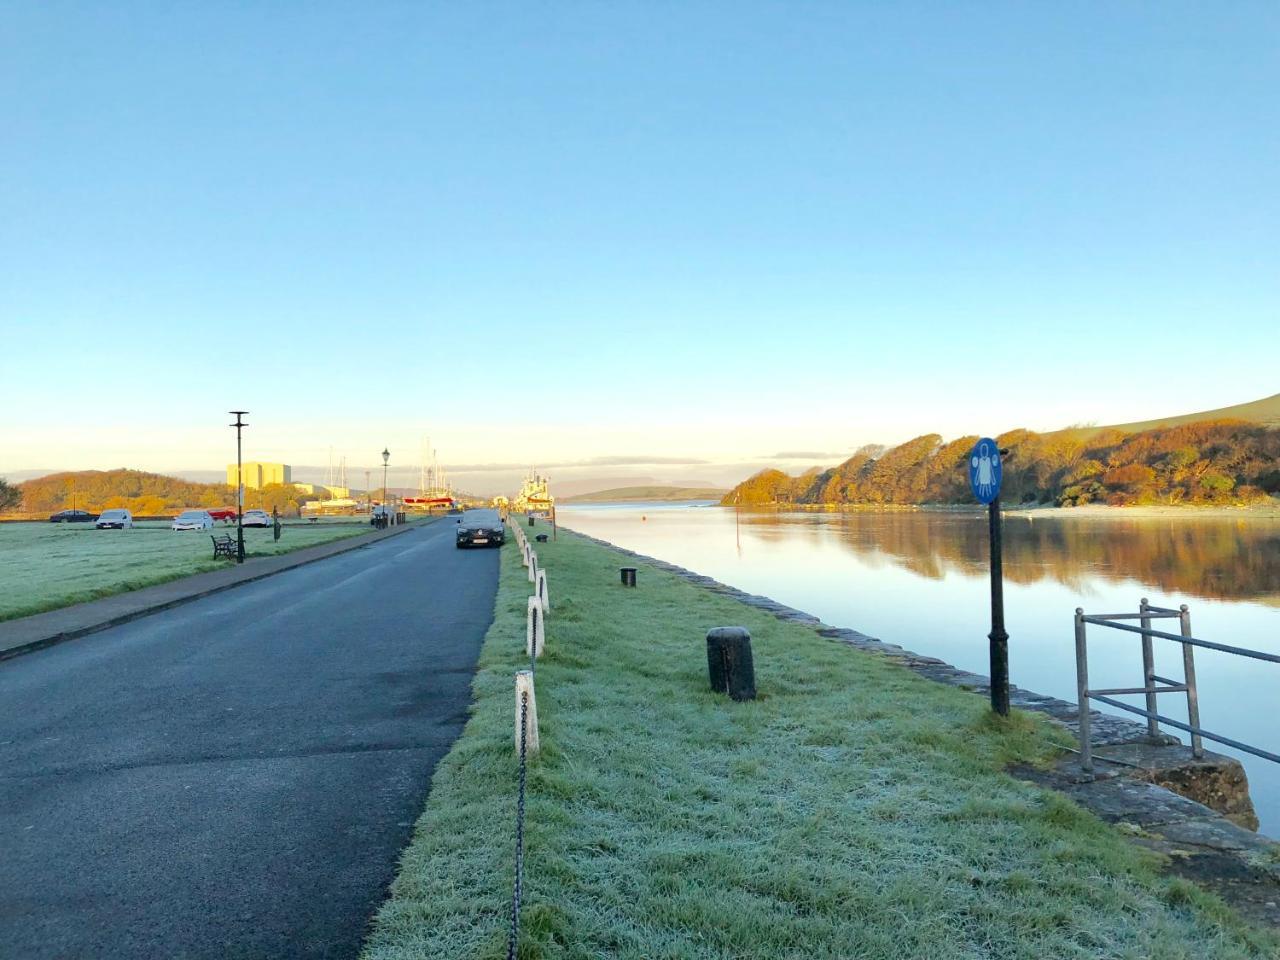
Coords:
pixel 533 651
pixel 518 888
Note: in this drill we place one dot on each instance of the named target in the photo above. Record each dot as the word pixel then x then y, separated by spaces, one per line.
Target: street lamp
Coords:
pixel 238 414
pixel 386 455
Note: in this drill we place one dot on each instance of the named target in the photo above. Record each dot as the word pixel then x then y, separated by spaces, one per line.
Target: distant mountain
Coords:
pixel 648 494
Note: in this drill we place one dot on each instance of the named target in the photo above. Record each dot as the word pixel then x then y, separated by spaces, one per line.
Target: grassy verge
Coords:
pixel 45 566
pixel 854 810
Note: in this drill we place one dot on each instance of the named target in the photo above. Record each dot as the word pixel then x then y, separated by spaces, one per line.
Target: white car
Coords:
pixel 192 520
pixel 114 520
pixel 256 518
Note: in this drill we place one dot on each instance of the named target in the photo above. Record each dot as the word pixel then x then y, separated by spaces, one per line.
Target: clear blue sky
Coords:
pixel 730 229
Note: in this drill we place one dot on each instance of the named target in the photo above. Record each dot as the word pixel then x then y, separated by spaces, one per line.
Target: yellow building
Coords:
pixel 259 475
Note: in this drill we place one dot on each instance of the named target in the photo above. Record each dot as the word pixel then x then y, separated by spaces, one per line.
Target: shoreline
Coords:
pixel 1091 511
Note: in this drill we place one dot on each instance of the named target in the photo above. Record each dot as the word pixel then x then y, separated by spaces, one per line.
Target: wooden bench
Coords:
pixel 224 546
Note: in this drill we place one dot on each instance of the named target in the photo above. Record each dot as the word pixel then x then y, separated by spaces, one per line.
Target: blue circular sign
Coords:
pixel 985 470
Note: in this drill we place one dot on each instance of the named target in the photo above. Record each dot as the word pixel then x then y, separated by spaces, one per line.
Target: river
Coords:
pixel 919 579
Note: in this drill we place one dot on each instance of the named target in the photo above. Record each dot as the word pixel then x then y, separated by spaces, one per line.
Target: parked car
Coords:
pixel 480 528
pixel 192 520
pixel 257 518
pixel 114 520
pixel 73 516
pixel 225 514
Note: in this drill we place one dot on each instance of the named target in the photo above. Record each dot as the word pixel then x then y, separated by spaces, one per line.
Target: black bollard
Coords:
pixel 729 662
pixel 628 576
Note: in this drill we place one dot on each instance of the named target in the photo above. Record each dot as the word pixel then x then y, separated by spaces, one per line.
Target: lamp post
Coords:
pixel 239 424
pixel 386 455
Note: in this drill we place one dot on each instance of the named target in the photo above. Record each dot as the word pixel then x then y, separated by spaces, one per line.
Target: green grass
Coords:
pixel 853 811
pixel 49 565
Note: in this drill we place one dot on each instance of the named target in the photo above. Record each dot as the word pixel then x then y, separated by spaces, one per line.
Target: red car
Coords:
pixel 225 514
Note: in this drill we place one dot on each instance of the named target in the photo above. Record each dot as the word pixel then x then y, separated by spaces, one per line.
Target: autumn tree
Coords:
pixel 10 496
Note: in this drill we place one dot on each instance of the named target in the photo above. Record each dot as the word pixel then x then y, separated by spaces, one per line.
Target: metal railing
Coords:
pixel 1154 684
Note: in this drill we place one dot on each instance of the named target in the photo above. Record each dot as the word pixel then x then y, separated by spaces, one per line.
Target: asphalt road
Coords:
pixel 236 777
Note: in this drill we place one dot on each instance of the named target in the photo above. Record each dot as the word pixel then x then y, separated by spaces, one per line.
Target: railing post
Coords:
pixel 1189 673
pixel 535 632
pixel 525 698
pixel 1149 673
pixel 1082 693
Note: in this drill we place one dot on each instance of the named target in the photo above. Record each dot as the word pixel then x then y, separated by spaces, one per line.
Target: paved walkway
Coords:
pixel 236 777
pixel 41 629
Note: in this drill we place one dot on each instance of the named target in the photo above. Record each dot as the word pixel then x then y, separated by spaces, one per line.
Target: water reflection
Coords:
pixel 919 579
pixel 1209 558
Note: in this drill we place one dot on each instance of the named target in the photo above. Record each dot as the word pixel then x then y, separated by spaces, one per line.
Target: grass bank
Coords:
pixel 44 566
pixel 854 810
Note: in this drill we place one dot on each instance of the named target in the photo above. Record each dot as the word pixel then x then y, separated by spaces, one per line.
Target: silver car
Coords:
pixel 192 520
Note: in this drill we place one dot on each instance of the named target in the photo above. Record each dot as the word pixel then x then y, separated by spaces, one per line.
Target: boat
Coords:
pixel 535 496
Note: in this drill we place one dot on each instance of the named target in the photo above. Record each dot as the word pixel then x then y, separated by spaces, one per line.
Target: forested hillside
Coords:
pixel 146 494
pixel 1215 462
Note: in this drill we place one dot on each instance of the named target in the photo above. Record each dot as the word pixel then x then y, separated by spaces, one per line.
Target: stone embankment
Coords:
pixel 1196 813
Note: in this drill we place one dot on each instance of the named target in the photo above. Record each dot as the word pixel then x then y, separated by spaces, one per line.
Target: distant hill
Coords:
pixel 1265 412
pixel 1228 456
pixel 145 494
pixel 647 494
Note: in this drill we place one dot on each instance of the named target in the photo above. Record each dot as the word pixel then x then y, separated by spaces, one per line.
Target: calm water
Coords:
pixel 919 579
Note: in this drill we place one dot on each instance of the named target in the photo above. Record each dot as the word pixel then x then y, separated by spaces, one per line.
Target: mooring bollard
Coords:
pixel 535 631
pixel 628 576
pixel 729 662
pixel 525 697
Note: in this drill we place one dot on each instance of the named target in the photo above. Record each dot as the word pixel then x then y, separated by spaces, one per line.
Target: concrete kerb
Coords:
pixel 1198 842
pixel 40 630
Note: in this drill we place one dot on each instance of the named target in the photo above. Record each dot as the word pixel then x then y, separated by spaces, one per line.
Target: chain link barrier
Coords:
pixel 517 892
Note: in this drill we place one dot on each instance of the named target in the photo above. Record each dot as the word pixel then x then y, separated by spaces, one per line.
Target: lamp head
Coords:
pixel 386 455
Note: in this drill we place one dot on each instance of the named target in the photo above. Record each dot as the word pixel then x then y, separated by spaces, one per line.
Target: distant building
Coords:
pixel 319 489
pixel 259 475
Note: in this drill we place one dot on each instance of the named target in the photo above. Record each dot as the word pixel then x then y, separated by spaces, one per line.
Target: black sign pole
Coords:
pixel 999 639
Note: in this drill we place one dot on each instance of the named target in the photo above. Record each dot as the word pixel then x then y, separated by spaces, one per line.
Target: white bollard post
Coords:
pixel 524 688
pixel 544 597
pixel 535 633
pixel 524 553
pixel 533 567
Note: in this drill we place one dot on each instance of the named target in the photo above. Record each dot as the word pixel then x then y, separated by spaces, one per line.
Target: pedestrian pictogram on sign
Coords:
pixel 985 471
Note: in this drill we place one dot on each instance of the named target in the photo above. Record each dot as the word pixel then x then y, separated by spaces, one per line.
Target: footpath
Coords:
pixel 856 807
pixel 43 629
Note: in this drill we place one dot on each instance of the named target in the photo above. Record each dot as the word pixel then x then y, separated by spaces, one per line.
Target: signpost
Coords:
pixel 985 475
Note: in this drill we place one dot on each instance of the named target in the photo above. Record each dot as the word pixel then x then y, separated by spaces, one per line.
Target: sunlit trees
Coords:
pixel 1213 462
pixel 10 496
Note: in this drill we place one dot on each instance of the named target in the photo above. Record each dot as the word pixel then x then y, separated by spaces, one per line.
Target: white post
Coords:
pixel 524 688
pixel 524 553
pixel 543 596
pixel 533 567
pixel 535 630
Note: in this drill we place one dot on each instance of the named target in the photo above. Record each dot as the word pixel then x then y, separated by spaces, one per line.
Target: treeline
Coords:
pixel 1214 462
pixel 146 494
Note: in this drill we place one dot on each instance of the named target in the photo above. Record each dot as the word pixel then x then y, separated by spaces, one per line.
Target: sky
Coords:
pixel 643 241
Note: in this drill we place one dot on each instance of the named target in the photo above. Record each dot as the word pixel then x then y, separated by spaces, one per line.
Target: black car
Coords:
pixel 481 528
pixel 73 516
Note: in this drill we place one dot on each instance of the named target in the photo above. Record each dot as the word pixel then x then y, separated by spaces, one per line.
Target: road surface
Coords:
pixel 236 777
